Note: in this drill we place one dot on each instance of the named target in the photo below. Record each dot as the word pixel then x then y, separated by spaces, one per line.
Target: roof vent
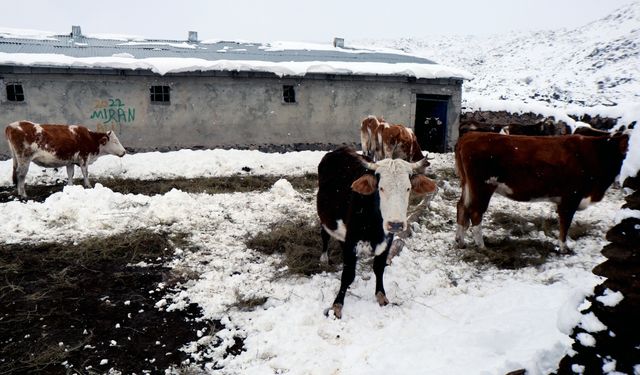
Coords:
pixel 338 42
pixel 193 36
pixel 76 32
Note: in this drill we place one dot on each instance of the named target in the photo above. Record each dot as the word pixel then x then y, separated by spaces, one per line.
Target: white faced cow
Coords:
pixel 53 146
pixel 363 201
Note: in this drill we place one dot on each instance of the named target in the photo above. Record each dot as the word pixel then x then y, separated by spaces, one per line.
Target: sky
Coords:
pixel 296 20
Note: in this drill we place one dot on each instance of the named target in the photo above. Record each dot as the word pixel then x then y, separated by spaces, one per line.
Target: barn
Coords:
pixel 172 94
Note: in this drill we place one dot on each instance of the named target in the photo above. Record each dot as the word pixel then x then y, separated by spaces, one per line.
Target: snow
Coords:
pixel 586 339
pixel 591 323
pixel 596 64
pixel 610 298
pixel 442 309
pixel 165 65
pixel 446 316
pixel 6 32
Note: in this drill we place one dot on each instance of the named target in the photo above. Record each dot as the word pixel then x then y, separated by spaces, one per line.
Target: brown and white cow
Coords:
pixel 571 171
pixel 54 146
pixel 368 139
pixel 397 142
pixel 381 140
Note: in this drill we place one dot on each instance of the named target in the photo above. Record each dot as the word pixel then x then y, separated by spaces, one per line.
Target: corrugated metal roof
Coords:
pixel 97 47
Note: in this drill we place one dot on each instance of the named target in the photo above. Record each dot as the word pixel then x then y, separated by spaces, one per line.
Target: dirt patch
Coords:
pixel 510 253
pixel 300 243
pixel 92 306
pixel 517 225
pixel 210 185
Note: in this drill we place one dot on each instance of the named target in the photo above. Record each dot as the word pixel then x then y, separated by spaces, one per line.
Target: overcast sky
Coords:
pixel 300 20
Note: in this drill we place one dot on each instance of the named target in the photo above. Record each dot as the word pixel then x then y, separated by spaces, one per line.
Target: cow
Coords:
pixel 397 142
pixel 54 146
pixel 368 138
pixel 571 171
pixel 381 140
pixel 473 125
pixel 359 200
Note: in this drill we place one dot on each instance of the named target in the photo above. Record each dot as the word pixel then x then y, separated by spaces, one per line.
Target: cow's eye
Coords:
pixel 381 190
pixel 408 189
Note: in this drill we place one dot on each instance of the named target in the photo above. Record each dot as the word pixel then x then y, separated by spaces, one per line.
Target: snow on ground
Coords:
pixel 447 316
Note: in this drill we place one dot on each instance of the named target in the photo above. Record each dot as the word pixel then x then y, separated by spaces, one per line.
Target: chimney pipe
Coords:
pixel 76 32
pixel 193 36
pixel 338 42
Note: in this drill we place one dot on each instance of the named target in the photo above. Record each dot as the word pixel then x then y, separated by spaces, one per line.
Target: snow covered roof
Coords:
pixel 42 49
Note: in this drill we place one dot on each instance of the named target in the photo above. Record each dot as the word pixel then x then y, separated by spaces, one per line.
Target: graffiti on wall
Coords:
pixel 110 111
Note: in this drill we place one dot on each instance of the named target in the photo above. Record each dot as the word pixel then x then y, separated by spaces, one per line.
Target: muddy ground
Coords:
pixel 211 185
pixel 68 307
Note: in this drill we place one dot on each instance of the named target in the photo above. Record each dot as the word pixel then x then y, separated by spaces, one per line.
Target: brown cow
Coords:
pixel 53 146
pixel 571 171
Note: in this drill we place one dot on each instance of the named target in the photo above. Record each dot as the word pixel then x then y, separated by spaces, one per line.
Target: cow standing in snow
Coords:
pixel 572 171
pixel 54 146
pixel 359 200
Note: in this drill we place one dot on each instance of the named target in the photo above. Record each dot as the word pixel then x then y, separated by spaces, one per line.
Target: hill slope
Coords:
pixel 598 63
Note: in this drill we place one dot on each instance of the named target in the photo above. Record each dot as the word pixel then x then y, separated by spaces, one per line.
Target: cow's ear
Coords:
pixel 104 140
pixel 420 184
pixel 365 185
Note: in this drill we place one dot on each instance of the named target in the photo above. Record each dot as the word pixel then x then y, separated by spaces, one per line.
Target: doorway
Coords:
pixel 431 122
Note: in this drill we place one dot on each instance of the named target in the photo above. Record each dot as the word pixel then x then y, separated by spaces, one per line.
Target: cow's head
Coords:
pixel 109 144
pixel 393 181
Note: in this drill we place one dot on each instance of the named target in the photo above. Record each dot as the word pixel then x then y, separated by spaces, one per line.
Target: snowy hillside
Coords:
pixel 598 63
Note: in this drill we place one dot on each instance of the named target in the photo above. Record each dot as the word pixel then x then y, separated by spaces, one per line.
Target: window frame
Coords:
pixel 160 94
pixel 14 96
pixel 289 94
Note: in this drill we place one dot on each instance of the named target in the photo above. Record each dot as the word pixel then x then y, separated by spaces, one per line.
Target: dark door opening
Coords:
pixel 431 122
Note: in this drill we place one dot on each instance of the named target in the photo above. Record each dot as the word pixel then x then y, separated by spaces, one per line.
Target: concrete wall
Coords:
pixel 217 111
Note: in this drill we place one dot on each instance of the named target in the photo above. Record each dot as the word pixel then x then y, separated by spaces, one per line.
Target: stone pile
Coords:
pixel 607 338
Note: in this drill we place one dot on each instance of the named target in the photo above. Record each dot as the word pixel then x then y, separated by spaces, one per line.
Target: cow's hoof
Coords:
pixel 382 299
pixel 324 259
pixel 337 310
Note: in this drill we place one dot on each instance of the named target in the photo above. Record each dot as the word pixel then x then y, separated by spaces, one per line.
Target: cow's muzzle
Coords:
pixel 395 226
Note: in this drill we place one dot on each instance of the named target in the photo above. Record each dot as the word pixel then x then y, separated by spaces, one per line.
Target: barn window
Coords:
pixel 160 94
pixel 15 93
pixel 288 94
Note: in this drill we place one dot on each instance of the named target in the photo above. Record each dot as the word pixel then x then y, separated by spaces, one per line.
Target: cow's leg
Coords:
pixel 324 258
pixel 379 263
pixel 85 174
pixel 477 208
pixel 566 209
pixel 21 176
pixel 463 214
pixel 70 170
pixel 348 275
pixel 14 175
pixel 463 221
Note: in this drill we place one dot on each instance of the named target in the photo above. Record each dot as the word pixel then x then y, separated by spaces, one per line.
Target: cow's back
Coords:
pixel 540 167
pixel 68 141
pixel 336 172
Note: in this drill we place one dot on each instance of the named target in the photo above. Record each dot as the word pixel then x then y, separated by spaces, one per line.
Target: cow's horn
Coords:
pixel 420 164
pixel 370 166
